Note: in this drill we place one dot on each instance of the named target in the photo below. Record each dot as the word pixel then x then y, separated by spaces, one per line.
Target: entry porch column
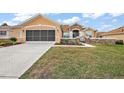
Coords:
pixel 70 34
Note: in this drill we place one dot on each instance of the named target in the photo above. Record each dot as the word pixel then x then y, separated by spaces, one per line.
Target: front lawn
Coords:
pixel 79 63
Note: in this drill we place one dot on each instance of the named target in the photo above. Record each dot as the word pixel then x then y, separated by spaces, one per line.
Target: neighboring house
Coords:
pixel 40 28
pixel 114 34
pixel 5 31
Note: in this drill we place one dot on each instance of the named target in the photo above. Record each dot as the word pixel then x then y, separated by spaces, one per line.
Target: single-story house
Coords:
pixel 117 34
pixel 41 28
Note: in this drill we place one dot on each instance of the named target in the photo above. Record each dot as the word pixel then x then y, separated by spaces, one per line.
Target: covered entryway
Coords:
pixel 75 33
pixel 40 35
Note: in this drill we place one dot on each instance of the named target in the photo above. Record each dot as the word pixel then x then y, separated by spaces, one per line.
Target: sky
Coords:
pixel 101 22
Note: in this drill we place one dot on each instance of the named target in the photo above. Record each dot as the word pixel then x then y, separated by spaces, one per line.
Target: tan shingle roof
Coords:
pixel 36 16
pixel 118 30
pixel 115 31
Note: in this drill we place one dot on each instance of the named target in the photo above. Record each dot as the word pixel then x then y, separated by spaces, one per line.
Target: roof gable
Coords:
pixel 38 19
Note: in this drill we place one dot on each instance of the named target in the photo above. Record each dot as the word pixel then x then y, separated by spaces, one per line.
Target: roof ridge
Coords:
pixel 116 28
pixel 35 16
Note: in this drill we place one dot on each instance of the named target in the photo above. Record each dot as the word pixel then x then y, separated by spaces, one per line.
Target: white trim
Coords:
pixel 76 29
pixel 71 34
pixel 40 25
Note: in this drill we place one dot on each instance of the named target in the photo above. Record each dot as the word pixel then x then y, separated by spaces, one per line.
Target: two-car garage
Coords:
pixel 37 28
pixel 40 35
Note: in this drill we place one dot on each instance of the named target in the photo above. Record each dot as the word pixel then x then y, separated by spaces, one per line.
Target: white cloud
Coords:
pixel 52 14
pixel 86 21
pixel 19 17
pixel 11 23
pixel 115 14
pixel 22 16
pixel 106 27
pixel 92 15
pixel 59 20
pixel 114 20
pixel 70 20
pixel 97 15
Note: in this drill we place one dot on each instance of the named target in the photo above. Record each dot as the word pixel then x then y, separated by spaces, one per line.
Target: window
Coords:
pixel 2 33
pixel 89 34
pixel 20 34
pixel 66 34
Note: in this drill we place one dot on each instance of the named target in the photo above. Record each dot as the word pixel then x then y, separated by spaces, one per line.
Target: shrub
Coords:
pixel 119 42
pixel 64 41
pixel 57 43
pixel 2 43
pixel 13 39
pixel 6 42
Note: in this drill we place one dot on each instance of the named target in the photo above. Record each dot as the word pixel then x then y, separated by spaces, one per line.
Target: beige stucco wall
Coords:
pixel 15 33
pixel 34 25
pixel 118 37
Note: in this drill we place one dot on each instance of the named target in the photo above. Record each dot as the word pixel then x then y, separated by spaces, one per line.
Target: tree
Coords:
pixel 4 24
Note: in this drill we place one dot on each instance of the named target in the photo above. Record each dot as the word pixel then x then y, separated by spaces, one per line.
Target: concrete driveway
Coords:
pixel 15 60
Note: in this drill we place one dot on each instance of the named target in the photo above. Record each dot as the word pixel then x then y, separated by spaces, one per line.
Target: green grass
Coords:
pixel 79 63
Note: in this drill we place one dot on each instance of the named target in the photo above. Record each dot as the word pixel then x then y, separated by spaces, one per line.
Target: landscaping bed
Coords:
pixel 102 62
pixel 8 42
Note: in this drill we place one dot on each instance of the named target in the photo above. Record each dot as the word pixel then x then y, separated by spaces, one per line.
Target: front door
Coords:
pixel 75 33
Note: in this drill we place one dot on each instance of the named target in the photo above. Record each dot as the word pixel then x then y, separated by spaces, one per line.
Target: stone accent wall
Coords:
pixel 101 41
pixel 70 41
